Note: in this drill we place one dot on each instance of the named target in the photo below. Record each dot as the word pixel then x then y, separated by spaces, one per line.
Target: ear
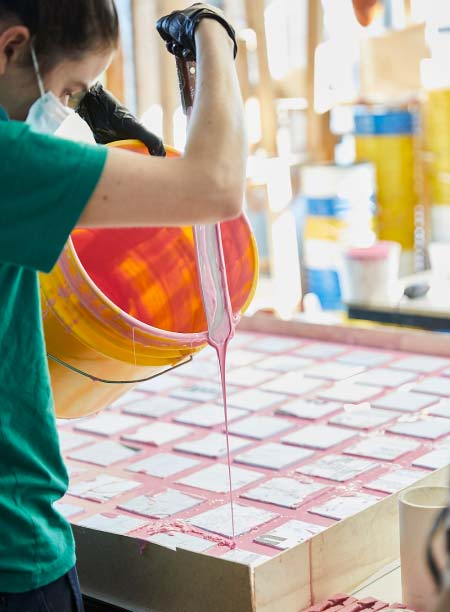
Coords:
pixel 13 42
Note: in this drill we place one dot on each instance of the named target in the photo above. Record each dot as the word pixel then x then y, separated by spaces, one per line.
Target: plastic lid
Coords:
pixel 383 122
pixel 327 207
pixel 379 250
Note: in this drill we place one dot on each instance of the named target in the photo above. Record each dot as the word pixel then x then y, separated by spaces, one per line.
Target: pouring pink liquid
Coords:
pixel 212 277
pixel 219 314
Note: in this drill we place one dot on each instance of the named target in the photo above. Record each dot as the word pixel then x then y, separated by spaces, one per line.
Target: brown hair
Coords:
pixel 65 29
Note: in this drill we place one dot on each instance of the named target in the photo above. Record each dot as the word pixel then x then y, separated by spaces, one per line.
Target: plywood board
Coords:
pixel 150 578
pixel 132 571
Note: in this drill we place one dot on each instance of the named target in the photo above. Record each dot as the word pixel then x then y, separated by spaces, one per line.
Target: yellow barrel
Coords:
pixel 386 138
pixel 436 144
pixel 122 305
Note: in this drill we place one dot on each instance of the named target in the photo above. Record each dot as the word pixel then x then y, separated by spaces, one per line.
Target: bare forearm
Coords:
pixel 217 131
pixel 206 184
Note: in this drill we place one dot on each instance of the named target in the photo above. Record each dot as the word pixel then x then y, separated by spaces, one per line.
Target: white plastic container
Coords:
pixel 338 208
pixel 371 274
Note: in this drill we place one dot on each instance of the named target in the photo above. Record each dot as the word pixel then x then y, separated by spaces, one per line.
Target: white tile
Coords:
pixel 105 453
pixel 127 398
pixel 321 350
pixel 198 392
pixel 430 428
pixel 293 383
pixel 109 423
pixel 273 456
pixel 289 534
pixel 218 520
pixel 385 377
pixel 363 418
pixel 434 385
pixel 337 467
pixel 158 434
pixel 75 470
pixel 248 377
pixel 350 393
pixel 404 401
pixel 284 363
pixel 255 399
pixel 213 445
pixel 155 406
pixel 102 488
pixel 236 358
pixel 260 427
pixel 69 440
pixel 311 409
pixel 162 505
pixel 160 384
pixel 185 541
pixel 119 523
pixel 319 436
pixel 68 510
pixel 215 478
pixel 163 465
pixel 333 371
pixel 368 359
pixel 421 363
pixel 340 508
pixel 199 368
pixel 209 415
pixel 434 460
pixel 441 409
pixel 394 481
pixel 387 448
pixel 243 556
pixel 284 492
pixel 241 339
pixel 275 344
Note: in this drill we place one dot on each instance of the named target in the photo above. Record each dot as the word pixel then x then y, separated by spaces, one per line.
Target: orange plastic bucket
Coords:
pixel 125 305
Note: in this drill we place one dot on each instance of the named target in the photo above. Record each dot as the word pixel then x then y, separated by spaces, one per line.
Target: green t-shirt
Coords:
pixel 45 183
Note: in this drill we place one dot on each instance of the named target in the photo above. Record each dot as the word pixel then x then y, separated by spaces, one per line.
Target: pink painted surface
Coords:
pixel 252 350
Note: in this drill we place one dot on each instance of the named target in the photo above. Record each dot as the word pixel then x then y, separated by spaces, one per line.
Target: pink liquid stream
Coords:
pixel 219 314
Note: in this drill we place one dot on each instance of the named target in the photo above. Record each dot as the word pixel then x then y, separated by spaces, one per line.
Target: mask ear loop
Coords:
pixel 37 71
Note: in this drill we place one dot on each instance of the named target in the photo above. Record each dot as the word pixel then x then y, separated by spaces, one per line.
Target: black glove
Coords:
pixel 178 29
pixel 110 121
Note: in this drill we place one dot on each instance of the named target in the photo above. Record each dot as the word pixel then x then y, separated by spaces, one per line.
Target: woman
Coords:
pixel 49 50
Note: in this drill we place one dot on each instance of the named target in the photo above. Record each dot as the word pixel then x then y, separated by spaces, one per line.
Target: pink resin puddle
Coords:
pixel 178 526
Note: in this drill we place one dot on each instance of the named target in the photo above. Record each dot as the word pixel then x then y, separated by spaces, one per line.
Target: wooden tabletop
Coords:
pixel 386 585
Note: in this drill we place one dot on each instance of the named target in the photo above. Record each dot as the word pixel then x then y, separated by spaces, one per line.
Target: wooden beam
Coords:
pixel 320 141
pixel 264 88
pixel 243 69
pixel 146 54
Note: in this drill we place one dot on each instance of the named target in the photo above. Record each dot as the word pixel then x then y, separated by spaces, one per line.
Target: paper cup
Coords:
pixel 418 509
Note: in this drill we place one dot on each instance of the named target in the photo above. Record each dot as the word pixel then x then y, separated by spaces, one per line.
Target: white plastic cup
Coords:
pixel 371 274
pixel 418 509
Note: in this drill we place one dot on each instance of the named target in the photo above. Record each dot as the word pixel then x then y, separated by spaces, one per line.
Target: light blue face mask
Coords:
pixel 47 113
